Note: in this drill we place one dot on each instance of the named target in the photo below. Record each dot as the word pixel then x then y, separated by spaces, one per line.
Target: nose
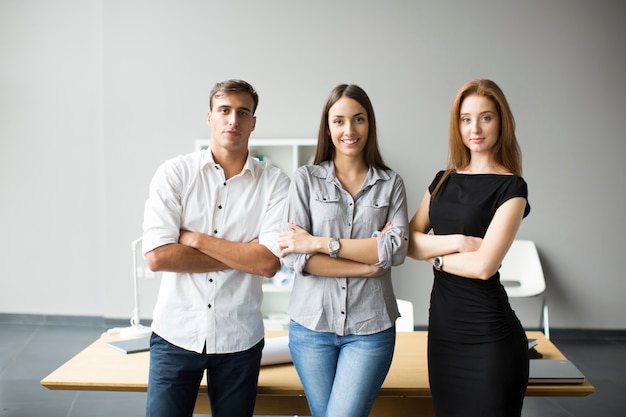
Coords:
pixel 233 119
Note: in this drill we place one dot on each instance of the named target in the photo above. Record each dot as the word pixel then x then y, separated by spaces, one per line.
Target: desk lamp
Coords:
pixel 136 329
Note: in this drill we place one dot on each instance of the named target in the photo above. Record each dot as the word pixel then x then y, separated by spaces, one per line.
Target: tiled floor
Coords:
pixel 31 350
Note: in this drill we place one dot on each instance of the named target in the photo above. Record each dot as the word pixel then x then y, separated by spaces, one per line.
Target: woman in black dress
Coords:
pixel 477 348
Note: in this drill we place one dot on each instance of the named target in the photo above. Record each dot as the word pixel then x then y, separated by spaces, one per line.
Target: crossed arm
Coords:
pixel 199 252
pixel 467 256
pixel 356 257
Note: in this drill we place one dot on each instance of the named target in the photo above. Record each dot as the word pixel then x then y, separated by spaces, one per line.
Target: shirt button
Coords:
pixel 219 207
pixel 343 312
pixel 209 306
pixel 210 279
pixel 215 231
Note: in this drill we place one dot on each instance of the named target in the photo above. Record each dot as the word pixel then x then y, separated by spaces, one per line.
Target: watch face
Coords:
pixel 334 245
pixel 437 262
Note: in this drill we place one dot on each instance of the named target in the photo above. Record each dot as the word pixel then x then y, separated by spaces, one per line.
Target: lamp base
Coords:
pixel 135 331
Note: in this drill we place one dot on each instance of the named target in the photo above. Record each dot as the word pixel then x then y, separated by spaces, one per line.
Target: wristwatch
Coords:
pixel 333 247
pixel 438 263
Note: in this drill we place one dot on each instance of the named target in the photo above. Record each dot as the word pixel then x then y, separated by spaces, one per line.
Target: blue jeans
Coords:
pixel 175 376
pixel 341 375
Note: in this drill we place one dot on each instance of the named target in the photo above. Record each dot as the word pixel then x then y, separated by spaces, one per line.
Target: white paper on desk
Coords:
pixel 276 351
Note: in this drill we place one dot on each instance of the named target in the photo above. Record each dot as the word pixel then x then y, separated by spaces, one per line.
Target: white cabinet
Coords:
pixel 276 294
pixel 286 154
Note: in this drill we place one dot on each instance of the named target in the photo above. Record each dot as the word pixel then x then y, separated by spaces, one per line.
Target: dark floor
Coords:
pixel 31 349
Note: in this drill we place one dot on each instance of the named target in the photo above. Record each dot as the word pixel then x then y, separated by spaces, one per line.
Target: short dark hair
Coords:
pixel 234 86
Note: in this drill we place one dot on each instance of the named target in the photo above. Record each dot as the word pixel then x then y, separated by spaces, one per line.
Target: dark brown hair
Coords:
pixel 326 149
pixel 233 86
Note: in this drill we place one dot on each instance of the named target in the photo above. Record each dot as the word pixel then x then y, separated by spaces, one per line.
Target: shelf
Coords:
pixel 269 287
pixel 286 154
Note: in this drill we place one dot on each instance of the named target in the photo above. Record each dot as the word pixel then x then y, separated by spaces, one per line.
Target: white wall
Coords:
pixel 95 94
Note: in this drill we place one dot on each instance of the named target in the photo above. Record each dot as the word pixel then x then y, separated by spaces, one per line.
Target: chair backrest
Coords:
pixel 404 323
pixel 521 273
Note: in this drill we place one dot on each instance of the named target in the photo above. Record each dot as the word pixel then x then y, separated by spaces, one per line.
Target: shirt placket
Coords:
pixel 346 200
pixel 217 204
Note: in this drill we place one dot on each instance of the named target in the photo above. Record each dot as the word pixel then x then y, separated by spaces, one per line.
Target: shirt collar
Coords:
pixel 326 170
pixel 208 160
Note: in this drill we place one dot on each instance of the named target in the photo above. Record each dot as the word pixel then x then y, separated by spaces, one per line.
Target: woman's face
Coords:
pixel 479 123
pixel 348 126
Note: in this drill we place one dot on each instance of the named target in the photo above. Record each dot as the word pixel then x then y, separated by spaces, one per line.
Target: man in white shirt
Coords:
pixel 211 223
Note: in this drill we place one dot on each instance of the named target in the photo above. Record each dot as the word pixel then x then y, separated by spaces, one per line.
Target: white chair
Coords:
pixel 521 275
pixel 404 323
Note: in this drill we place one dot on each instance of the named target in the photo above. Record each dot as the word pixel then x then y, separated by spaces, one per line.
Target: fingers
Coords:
pixel 387 227
pixel 294 226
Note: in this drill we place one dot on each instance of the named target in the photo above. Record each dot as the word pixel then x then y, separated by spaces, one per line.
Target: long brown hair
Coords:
pixel 506 153
pixel 326 149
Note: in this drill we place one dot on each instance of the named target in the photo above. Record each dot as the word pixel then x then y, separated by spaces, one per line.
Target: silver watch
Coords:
pixel 333 247
pixel 438 263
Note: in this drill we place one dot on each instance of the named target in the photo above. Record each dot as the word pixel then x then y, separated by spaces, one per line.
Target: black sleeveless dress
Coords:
pixel 477 348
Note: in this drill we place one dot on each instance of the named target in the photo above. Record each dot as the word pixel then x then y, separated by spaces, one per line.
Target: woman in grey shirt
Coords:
pixel 346 225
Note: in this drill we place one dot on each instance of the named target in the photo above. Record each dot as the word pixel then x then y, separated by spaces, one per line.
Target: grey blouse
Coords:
pixel 319 204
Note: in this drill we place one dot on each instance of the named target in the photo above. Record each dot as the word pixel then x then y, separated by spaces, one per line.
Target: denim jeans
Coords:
pixel 341 375
pixel 175 376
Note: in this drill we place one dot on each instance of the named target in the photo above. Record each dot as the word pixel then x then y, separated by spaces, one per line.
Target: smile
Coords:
pixel 350 141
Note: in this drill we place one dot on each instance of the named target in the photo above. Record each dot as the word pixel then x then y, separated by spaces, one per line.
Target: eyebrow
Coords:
pixel 354 115
pixel 225 106
pixel 482 112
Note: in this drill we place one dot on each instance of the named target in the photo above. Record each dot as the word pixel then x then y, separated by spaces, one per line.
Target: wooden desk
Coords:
pixel 405 392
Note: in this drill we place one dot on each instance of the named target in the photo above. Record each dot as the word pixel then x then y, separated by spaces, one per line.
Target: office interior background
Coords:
pixel 96 94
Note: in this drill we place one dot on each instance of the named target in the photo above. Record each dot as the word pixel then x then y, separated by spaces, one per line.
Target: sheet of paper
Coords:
pixel 276 351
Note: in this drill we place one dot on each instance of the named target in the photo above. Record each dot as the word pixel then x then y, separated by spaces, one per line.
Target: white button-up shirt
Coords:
pixel 219 310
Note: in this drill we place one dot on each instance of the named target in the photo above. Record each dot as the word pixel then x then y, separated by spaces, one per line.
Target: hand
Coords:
pixel 297 240
pixel 387 228
pixel 187 238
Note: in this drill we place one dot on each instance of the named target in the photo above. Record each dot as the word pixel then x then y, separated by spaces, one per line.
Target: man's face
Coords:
pixel 231 120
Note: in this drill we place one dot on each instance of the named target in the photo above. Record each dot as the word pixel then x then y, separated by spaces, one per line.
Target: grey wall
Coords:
pixel 95 94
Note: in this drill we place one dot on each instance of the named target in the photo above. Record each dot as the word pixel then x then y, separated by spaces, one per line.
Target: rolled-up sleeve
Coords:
pixel 297 262
pixel 271 225
pixel 297 212
pixel 162 211
pixel 393 244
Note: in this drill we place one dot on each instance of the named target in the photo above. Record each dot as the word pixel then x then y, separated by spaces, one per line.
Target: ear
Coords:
pixel 253 123
pixel 208 118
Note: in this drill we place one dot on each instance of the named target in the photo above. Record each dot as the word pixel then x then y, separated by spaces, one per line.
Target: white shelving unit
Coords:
pixel 276 300
pixel 286 154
